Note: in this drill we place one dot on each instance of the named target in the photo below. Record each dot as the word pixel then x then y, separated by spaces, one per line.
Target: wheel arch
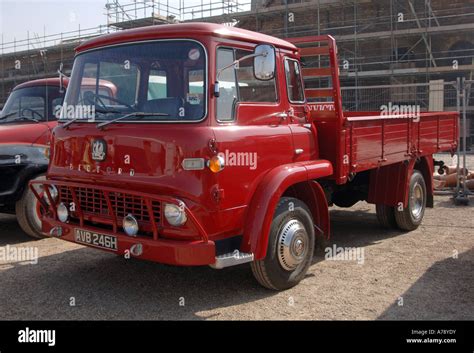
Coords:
pixel 312 194
pixel 287 180
pixel 389 184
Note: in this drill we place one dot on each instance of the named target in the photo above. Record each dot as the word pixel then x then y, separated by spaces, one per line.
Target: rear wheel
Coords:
pixel 28 213
pixel 386 216
pixel 290 246
pixel 411 216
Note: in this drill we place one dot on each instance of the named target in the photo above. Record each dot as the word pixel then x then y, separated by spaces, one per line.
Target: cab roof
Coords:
pixel 183 30
pixel 54 81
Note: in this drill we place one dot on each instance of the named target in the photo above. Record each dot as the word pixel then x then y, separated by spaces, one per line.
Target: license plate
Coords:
pixel 98 240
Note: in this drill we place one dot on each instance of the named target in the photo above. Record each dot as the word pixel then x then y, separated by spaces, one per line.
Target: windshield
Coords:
pixel 31 104
pixel 166 77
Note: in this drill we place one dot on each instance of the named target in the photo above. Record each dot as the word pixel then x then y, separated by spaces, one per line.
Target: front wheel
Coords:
pixel 410 217
pixel 290 246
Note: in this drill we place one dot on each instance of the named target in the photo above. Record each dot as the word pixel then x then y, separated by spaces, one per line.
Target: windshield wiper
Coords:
pixel 134 114
pixel 22 117
pixel 102 111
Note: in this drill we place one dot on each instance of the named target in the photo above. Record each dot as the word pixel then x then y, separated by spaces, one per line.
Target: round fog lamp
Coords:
pixel 130 225
pixel 63 213
pixel 175 215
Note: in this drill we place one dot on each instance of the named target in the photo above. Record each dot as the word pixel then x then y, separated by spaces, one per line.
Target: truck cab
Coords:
pixel 208 154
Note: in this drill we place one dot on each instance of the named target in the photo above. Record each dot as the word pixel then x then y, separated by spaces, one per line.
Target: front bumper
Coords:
pixel 193 252
pixel 172 252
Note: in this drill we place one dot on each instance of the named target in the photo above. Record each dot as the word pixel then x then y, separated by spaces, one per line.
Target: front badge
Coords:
pixel 99 150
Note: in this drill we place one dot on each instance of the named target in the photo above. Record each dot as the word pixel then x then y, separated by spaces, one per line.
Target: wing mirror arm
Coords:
pixel 61 78
pixel 234 64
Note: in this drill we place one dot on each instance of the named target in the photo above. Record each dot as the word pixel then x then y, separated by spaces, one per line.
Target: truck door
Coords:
pixel 302 130
pixel 251 128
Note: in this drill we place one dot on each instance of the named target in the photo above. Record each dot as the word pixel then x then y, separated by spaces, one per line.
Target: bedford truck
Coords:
pixel 221 149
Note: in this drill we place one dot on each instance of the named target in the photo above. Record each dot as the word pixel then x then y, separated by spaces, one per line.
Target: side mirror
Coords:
pixel 264 62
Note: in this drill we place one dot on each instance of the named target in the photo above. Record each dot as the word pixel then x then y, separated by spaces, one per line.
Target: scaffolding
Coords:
pixel 134 14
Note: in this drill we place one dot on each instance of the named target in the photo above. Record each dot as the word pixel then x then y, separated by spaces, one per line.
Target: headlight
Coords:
pixel 53 191
pixel 47 153
pixel 38 154
pixel 63 213
pixel 130 225
pixel 175 215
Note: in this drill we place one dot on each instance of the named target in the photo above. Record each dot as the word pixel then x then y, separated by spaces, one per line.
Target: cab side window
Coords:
pixel 250 88
pixel 228 86
pixel 293 81
pixel 239 84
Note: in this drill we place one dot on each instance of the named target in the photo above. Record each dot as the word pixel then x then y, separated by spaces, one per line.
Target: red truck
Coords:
pixel 26 122
pixel 220 149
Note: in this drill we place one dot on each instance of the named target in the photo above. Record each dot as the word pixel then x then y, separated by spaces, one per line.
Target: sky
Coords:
pixel 17 17
pixel 53 16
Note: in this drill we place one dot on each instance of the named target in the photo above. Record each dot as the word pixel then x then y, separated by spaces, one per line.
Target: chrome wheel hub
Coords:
pixel 416 201
pixel 292 244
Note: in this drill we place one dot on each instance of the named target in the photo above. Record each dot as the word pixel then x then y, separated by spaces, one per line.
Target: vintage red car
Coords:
pixel 26 121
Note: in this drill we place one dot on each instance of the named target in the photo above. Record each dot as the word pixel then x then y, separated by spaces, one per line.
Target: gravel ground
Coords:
pixel 424 274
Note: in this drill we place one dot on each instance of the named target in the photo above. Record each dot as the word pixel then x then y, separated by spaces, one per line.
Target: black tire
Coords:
pixel 411 216
pixel 386 216
pixel 26 213
pixel 292 222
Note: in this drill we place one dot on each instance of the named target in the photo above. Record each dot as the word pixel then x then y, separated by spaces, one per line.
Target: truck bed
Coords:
pixel 359 141
pixel 373 140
